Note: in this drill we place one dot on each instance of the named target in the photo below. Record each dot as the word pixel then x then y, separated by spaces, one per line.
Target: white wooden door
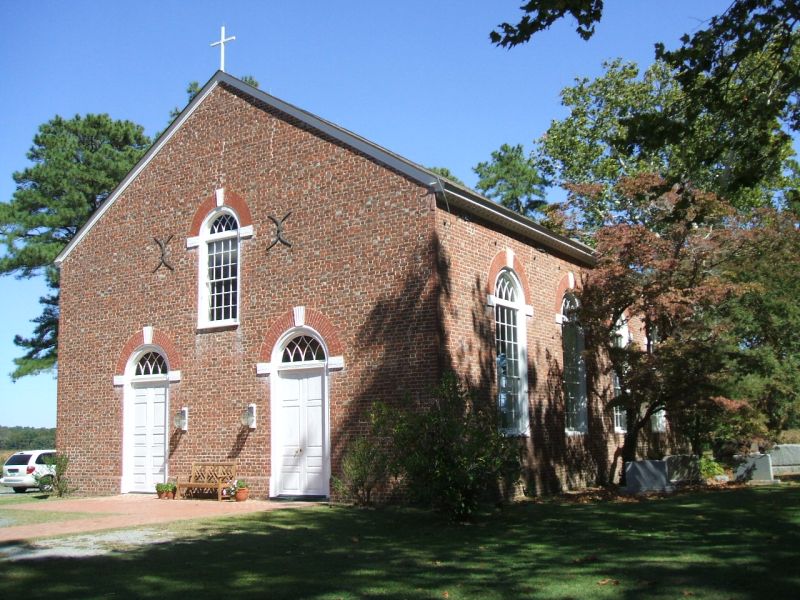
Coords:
pixel 303 460
pixel 149 439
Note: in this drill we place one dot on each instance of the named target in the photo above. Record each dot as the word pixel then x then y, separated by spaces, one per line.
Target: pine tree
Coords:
pixel 77 163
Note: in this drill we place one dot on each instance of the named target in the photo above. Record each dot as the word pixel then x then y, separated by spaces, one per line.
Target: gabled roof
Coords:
pixel 456 195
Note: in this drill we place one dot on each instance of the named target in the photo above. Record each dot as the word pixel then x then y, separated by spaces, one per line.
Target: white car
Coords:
pixel 21 469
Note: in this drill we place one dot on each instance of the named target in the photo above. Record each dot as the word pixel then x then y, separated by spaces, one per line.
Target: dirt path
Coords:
pixel 128 510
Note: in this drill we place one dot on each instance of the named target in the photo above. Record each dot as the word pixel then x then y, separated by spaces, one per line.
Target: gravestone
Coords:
pixel 754 467
pixel 684 468
pixel 647 476
pixel 785 459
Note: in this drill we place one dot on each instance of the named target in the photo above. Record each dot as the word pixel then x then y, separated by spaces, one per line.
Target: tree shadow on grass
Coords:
pixel 732 544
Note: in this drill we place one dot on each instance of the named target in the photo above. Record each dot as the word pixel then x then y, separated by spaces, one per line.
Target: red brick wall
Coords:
pixel 360 256
pixel 472 254
pixel 399 284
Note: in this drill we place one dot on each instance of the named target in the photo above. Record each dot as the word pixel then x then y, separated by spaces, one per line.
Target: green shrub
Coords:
pixel 740 426
pixel 364 468
pixel 450 453
pixel 710 468
pixel 57 483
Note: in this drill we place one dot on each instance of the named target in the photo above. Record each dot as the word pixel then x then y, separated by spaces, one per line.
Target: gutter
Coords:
pixel 509 219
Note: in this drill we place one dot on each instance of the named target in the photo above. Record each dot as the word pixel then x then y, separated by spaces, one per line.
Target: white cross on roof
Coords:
pixel 221 44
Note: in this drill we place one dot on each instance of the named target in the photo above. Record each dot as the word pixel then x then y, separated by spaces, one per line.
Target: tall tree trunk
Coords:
pixel 629 447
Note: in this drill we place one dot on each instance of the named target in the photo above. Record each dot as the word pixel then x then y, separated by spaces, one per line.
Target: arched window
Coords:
pixel 151 363
pixel 219 271
pixel 303 348
pixel 511 346
pixel 622 337
pixel 574 366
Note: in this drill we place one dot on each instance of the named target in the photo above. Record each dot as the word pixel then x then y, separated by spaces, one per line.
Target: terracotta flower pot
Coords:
pixel 242 494
pixel 168 495
pixel 160 495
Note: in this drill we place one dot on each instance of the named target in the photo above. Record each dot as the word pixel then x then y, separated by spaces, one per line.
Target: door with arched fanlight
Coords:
pixel 300 446
pixel 145 422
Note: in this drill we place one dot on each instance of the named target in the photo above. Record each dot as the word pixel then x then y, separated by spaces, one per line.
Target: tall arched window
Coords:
pixel 219 271
pixel 574 367
pixel 622 337
pixel 511 346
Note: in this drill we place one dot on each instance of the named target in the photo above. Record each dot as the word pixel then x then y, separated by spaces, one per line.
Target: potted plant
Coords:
pixel 167 490
pixel 161 489
pixel 238 490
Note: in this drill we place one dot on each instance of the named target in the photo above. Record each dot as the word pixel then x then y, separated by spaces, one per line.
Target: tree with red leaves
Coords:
pixel 661 270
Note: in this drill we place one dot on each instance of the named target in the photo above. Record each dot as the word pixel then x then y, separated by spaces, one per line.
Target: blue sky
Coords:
pixel 419 77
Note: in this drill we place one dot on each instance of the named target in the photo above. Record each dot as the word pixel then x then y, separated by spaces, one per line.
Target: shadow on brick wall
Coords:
pixel 407 347
pixel 239 443
pixel 396 358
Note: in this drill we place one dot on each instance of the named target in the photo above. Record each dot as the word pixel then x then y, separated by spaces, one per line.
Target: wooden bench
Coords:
pixel 208 477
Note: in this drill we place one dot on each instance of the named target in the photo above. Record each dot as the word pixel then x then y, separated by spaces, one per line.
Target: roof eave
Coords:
pixel 498 214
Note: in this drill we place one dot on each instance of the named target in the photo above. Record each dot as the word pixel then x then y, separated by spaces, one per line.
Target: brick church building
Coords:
pixel 263 276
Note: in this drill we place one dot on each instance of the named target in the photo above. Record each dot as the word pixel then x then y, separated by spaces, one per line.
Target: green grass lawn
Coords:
pixel 12 518
pixel 9 517
pixel 6 499
pixel 738 544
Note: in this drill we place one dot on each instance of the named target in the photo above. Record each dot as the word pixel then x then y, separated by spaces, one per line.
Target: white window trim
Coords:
pixel 618 413
pixel 527 309
pixel 204 323
pixel 245 232
pixel 523 310
pixel 624 337
pixel 619 410
pixel 265 369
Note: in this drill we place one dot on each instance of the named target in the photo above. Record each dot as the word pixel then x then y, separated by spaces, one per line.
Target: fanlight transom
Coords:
pixel 151 363
pixel 303 348
pixel 224 222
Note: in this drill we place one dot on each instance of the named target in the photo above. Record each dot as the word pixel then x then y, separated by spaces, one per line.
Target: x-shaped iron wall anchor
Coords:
pixel 279 231
pixel 163 260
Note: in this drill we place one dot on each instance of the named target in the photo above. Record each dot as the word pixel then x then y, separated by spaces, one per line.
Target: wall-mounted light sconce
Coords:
pixel 181 419
pixel 249 416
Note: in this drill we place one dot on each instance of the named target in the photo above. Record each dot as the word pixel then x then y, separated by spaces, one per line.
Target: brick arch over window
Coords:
pixel 230 199
pixel 505 259
pixel 569 281
pixel 159 339
pixel 292 318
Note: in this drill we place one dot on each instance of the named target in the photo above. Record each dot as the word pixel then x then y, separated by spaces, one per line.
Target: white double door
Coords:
pixel 302 458
pixel 147 442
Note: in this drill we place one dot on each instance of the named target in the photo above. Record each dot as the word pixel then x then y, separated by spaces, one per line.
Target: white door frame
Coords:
pixel 276 441
pixel 131 381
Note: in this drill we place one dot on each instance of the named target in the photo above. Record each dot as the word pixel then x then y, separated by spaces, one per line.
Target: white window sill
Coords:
pixel 516 432
pixel 575 432
pixel 216 325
